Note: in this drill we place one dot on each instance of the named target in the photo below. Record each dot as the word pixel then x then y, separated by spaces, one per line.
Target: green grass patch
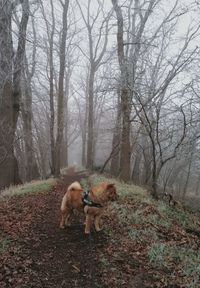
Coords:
pixel 31 187
pixel 184 218
pixel 104 261
pixel 4 243
pixel 185 259
pixel 156 230
pixel 143 235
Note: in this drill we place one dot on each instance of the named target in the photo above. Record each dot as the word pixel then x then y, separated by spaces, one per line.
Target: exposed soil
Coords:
pixel 41 255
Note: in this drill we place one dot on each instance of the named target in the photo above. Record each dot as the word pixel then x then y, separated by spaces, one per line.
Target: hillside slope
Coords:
pixel 144 243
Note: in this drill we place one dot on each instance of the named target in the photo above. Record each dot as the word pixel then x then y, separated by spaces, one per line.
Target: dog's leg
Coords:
pixel 97 220
pixel 62 221
pixel 88 221
pixel 64 215
pixel 67 220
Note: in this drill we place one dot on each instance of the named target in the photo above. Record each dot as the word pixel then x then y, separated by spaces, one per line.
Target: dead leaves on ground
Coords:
pixel 16 219
pixel 147 251
pixel 139 252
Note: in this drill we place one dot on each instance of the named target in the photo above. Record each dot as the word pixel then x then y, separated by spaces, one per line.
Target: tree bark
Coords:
pixel 6 104
pixel 10 92
pixel 115 156
pixel 60 119
pixel 125 98
pixel 90 140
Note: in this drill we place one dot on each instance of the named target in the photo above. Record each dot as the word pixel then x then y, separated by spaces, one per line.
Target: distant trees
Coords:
pixel 97 47
pixel 112 85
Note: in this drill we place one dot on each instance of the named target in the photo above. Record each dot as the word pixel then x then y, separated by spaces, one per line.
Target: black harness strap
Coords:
pixel 87 201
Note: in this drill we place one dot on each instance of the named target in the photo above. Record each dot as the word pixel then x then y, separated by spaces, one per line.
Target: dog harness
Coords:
pixel 87 201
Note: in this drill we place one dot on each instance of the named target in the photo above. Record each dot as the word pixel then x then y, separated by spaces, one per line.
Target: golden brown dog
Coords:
pixel 92 204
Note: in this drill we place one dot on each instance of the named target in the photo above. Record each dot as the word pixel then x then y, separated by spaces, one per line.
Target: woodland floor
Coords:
pixel 35 253
pixel 40 254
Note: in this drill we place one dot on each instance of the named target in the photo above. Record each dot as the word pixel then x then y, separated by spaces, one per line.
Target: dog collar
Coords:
pixel 87 201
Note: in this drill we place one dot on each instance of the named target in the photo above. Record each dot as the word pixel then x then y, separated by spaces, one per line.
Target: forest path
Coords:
pixel 40 255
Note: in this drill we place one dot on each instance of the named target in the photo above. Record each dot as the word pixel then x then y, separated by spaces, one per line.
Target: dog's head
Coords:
pixel 111 192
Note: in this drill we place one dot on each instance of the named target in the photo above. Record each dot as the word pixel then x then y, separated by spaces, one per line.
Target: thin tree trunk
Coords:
pixel 115 156
pixel 64 158
pixel 90 139
pixel 18 62
pixel 125 140
pixel 51 94
pixel 188 175
pixel 31 169
pixel 136 167
pixel 52 112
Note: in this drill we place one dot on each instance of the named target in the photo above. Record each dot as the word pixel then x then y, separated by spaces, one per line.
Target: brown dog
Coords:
pixel 92 203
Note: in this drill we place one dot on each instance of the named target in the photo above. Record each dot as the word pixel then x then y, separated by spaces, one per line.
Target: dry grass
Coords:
pixel 31 187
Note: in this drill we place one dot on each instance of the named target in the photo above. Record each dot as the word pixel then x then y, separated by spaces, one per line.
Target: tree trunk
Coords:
pixel 31 169
pixel 52 112
pixel 60 119
pixel 188 175
pixel 125 98
pixel 10 93
pixel 125 141
pixel 90 138
pixel 114 166
pixel 6 97
pixel 51 97
pixel 19 62
pixel 136 167
pixel 64 157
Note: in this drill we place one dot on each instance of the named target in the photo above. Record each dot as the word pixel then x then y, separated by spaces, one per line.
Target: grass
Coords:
pixel 4 243
pixel 140 235
pixel 184 258
pixel 158 231
pixel 31 187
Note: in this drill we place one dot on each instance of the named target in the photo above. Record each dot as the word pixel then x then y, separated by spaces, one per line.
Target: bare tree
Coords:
pixel 60 117
pixel 50 36
pixel 31 169
pixel 97 48
pixel 10 90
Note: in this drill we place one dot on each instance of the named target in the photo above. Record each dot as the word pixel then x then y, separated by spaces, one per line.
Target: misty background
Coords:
pixel 111 86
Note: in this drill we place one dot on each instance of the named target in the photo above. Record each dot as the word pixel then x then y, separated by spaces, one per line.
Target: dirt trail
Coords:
pixel 42 255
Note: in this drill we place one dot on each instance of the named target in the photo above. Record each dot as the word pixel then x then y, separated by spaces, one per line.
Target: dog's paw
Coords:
pixel 62 227
pixel 98 229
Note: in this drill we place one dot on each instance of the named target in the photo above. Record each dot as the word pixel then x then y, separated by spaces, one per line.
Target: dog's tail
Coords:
pixel 75 186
